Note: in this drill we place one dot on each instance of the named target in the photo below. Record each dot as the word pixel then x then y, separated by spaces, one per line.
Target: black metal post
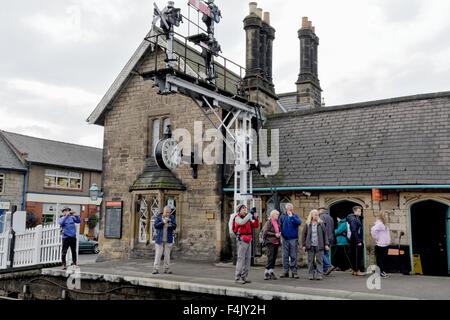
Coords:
pixel 13 238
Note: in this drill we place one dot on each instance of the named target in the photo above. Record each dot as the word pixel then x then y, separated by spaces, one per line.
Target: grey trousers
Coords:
pixel 159 249
pixel 290 248
pixel 244 255
pixel 315 261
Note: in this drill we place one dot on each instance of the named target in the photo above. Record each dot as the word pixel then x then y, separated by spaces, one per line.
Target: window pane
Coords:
pixel 50 182
pixel 50 172
pixel 166 123
pixel 75 175
pixel 155 134
pixel 75 184
pixel 2 182
pixel 63 183
pixel 64 174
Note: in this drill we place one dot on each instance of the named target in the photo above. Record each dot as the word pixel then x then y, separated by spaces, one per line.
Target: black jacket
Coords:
pixel 356 228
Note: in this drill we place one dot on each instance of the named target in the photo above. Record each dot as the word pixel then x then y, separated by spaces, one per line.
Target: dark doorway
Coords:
pixel 342 209
pixel 429 236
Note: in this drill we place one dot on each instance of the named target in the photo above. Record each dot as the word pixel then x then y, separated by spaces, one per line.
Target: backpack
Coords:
pixel 235 226
pixel 348 233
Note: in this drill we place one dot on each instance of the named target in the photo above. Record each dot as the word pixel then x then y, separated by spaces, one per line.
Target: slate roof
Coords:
pixel 400 141
pixel 56 153
pixel 8 159
pixel 289 102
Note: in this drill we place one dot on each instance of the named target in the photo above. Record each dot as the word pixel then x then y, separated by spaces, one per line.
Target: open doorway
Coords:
pixel 342 209
pixel 429 232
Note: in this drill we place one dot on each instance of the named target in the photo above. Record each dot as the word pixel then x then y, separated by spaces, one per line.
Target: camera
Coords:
pixel 252 212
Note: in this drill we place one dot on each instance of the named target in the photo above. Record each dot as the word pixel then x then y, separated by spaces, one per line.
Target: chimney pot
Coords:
pixel 253 6
pixel 304 22
pixel 259 12
pixel 267 17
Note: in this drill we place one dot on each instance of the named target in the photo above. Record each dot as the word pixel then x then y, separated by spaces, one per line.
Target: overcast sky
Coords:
pixel 58 57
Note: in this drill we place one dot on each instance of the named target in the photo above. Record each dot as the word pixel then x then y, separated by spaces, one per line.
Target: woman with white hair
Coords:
pixel 272 234
pixel 315 242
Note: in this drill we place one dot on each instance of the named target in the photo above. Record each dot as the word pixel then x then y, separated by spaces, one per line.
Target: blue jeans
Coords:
pixel 326 260
pixel 290 248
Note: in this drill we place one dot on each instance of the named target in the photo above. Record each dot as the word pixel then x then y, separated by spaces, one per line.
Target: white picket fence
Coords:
pixel 4 249
pixel 34 246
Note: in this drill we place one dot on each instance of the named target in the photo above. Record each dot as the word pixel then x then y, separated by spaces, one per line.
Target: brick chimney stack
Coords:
pixel 308 84
pixel 259 51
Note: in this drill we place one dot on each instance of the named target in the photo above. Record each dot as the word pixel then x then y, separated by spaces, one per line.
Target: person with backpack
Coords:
pixel 165 225
pixel 289 223
pixel 271 234
pixel 381 234
pixel 315 242
pixel 243 226
pixel 233 237
pixel 356 241
pixel 329 228
pixel 342 235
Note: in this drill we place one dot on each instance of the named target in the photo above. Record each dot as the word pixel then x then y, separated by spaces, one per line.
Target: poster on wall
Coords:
pixel 113 220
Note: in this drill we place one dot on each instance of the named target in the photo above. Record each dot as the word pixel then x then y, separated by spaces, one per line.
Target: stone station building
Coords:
pixel 382 155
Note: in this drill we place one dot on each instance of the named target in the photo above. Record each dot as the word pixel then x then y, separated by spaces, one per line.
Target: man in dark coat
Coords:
pixel 356 241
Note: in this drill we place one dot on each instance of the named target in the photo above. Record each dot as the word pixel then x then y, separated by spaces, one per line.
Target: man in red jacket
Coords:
pixel 243 226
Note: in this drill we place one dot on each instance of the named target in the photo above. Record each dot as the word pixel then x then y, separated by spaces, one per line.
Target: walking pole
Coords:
pixel 399 257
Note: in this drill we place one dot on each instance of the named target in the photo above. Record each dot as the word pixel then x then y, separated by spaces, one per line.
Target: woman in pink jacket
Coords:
pixel 381 234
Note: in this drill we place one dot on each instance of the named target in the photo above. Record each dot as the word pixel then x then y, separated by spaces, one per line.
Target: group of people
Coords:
pixel 317 236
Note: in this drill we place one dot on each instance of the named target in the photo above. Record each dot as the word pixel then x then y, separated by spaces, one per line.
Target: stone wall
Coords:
pixel 13 192
pixel 396 203
pixel 126 139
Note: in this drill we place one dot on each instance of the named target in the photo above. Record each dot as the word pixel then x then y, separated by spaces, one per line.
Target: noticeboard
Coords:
pixel 113 220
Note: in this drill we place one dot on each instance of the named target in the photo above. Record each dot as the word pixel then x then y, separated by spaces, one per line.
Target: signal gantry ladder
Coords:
pixel 176 77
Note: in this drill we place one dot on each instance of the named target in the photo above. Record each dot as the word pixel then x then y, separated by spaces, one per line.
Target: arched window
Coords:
pixel 270 205
pixel 156 124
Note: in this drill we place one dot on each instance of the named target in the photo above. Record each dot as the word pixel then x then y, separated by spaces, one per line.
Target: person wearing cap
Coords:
pixel 69 234
pixel 243 226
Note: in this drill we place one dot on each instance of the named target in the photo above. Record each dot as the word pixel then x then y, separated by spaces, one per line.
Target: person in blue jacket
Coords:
pixel 69 234
pixel 289 223
pixel 165 225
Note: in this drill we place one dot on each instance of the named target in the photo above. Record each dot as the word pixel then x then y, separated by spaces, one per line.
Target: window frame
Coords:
pixel 61 174
pixel 3 184
pixel 151 144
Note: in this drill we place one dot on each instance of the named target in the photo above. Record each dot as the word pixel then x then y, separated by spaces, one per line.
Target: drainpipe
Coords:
pixel 25 189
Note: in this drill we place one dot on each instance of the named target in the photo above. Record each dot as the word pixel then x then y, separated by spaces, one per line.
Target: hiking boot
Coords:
pixel 273 276
pixel 295 275
pixel 311 277
pixel 155 271
pixel 284 275
pixel 330 270
pixel 267 276
pixel 319 277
